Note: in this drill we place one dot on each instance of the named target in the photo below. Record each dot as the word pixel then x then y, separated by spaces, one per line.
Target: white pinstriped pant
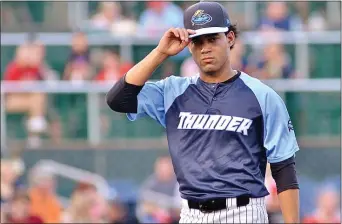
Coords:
pixel 254 212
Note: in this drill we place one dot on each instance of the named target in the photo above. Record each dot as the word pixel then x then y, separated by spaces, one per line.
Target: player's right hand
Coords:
pixel 174 41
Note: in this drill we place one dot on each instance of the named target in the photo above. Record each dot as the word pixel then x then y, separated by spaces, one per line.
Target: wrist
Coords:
pixel 160 55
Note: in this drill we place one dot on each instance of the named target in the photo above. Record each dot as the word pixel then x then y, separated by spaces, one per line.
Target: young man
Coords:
pixel 222 125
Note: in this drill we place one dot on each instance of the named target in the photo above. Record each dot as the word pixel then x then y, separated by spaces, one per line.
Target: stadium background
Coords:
pixel 86 143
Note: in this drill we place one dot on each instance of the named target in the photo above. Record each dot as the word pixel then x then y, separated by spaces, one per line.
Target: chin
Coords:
pixel 209 69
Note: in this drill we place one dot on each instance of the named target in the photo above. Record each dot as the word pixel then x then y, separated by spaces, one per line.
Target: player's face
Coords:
pixel 210 52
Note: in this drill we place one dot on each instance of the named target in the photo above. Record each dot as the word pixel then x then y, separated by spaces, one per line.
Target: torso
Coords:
pixel 212 156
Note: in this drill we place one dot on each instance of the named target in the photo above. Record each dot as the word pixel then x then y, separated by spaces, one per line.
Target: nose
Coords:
pixel 206 48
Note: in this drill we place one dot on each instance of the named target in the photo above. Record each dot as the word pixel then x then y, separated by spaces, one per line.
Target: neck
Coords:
pixel 225 73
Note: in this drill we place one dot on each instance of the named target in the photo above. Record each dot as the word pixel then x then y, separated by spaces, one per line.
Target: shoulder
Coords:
pixel 255 84
pixel 175 82
pixel 261 90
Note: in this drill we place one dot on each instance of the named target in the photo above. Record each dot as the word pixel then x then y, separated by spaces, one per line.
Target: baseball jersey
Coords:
pixel 220 136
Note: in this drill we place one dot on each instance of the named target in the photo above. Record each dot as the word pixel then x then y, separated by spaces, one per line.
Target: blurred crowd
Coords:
pixel 29 64
pixel 157 17
pixel 30 196
pixel 86 63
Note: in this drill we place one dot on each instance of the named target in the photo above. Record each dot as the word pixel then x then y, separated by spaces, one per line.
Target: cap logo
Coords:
pixel 200 18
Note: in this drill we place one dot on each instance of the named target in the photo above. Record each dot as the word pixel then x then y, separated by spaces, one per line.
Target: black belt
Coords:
pixel 216 204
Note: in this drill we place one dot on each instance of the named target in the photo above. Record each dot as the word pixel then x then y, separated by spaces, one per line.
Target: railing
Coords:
pixel 281 85
pixel 94 90
pixel 249 37
pixel 301 40
pixel 78 175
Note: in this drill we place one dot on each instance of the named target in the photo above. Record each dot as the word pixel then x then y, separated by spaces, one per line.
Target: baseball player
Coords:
pixel 222 125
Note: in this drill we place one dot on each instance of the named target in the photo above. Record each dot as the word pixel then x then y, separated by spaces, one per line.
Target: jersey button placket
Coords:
pixel 214 96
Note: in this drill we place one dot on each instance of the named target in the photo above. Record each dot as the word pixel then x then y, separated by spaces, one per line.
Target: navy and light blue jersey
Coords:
pixel 220 136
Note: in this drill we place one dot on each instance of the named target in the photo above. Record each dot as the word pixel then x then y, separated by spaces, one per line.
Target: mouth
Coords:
pixel 207 59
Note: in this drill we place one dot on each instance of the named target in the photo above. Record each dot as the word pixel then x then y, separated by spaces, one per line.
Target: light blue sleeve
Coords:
pixel 155 98
pixel 279 136
pixel 151 102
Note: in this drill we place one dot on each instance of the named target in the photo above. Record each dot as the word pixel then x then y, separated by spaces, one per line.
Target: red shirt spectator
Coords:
pixel 26 220
pixel 26 65
pixel 78 66
pixel 112 68
pixel 108 75
pixel 19 209
pixel 15 72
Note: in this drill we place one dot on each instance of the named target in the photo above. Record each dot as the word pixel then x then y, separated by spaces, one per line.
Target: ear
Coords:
pixel 230 38
pixel 189 47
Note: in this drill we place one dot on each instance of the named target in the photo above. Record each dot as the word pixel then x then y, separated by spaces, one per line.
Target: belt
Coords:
pixel 217 204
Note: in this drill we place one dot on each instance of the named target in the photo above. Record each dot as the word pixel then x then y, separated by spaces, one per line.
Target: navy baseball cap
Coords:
pixel 206 18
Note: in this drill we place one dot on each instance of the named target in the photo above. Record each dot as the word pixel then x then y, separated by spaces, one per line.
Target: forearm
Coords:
pixel 284 174
pixel 289 204
pixel 142 71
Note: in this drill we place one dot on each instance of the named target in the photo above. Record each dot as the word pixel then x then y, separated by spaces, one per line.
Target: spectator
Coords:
pixel 7 181
pixel 327 210
pixel 110 18
pixel 28 66
pixel 317 21
pixel 112 68
pixel 78 66
pixel 274 63
pixel 99 209
pixel 10 172
pixel 77 212
pixel 19 210
pixel 277 16
pixel 87 206
pixel 46 71
pixel 238 59
pixel 160 16
pixel 159 195
pixel 44 201
pixel 117 213
pixel 108 13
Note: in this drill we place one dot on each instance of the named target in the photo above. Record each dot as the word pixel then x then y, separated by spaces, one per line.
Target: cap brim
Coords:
pixel 209 30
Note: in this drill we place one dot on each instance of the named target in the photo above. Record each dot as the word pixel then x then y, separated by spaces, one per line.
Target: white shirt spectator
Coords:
pixel 160 16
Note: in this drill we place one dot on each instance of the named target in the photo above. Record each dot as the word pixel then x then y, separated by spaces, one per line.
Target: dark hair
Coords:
pixel 235 30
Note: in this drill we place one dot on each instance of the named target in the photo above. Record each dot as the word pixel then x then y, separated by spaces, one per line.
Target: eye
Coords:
pixel 212 39
pixel 194 41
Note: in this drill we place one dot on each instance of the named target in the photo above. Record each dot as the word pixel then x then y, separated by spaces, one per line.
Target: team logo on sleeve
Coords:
pixel 200 18
pixel 214 122
pixel 289 125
